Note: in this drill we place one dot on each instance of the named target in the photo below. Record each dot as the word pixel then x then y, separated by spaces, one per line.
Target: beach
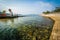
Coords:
pixel 55 35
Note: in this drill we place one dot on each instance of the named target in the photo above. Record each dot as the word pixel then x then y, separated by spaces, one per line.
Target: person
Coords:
pixel 10 11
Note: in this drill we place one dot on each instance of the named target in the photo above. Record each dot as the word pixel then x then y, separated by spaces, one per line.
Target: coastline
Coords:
pixel 56 27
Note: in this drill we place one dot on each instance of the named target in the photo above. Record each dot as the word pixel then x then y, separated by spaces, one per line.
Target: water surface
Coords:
pixel 26 28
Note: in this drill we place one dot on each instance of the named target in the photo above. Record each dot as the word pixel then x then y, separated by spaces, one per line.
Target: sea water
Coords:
pixel 26 28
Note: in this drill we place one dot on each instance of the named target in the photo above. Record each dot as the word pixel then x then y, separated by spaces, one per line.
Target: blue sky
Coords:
pixel 28 6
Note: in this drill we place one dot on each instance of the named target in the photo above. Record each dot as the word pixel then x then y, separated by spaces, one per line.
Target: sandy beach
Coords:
pixel 55 35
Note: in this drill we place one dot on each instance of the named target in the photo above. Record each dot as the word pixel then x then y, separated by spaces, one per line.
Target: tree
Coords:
pixel 10 11
pixel 4 12
pixel 57 9
pixel 47 12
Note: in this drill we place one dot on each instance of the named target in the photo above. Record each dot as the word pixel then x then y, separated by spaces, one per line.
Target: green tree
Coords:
pixel 47 12
pixel 57 9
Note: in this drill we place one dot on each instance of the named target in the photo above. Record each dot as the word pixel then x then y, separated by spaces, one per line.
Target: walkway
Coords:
pixel 55 35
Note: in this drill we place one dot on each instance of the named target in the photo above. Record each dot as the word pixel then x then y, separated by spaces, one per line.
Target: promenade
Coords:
pixel 55 35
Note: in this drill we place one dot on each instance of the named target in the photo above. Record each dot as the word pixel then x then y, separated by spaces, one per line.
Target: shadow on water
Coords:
pixel 26 28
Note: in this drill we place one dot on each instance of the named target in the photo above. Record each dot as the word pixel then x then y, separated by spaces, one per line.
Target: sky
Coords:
pixel 28 6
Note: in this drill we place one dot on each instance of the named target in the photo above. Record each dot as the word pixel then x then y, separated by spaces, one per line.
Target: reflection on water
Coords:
pixel 25 28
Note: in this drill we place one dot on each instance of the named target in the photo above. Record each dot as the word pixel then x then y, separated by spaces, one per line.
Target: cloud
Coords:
pixel 43 6
pixel 2 7
pixel 28 7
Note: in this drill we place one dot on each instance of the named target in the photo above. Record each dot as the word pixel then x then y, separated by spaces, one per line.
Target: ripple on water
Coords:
pixel 25 28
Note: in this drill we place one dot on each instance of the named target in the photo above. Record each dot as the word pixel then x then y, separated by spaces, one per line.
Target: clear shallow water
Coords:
pixel 25 28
